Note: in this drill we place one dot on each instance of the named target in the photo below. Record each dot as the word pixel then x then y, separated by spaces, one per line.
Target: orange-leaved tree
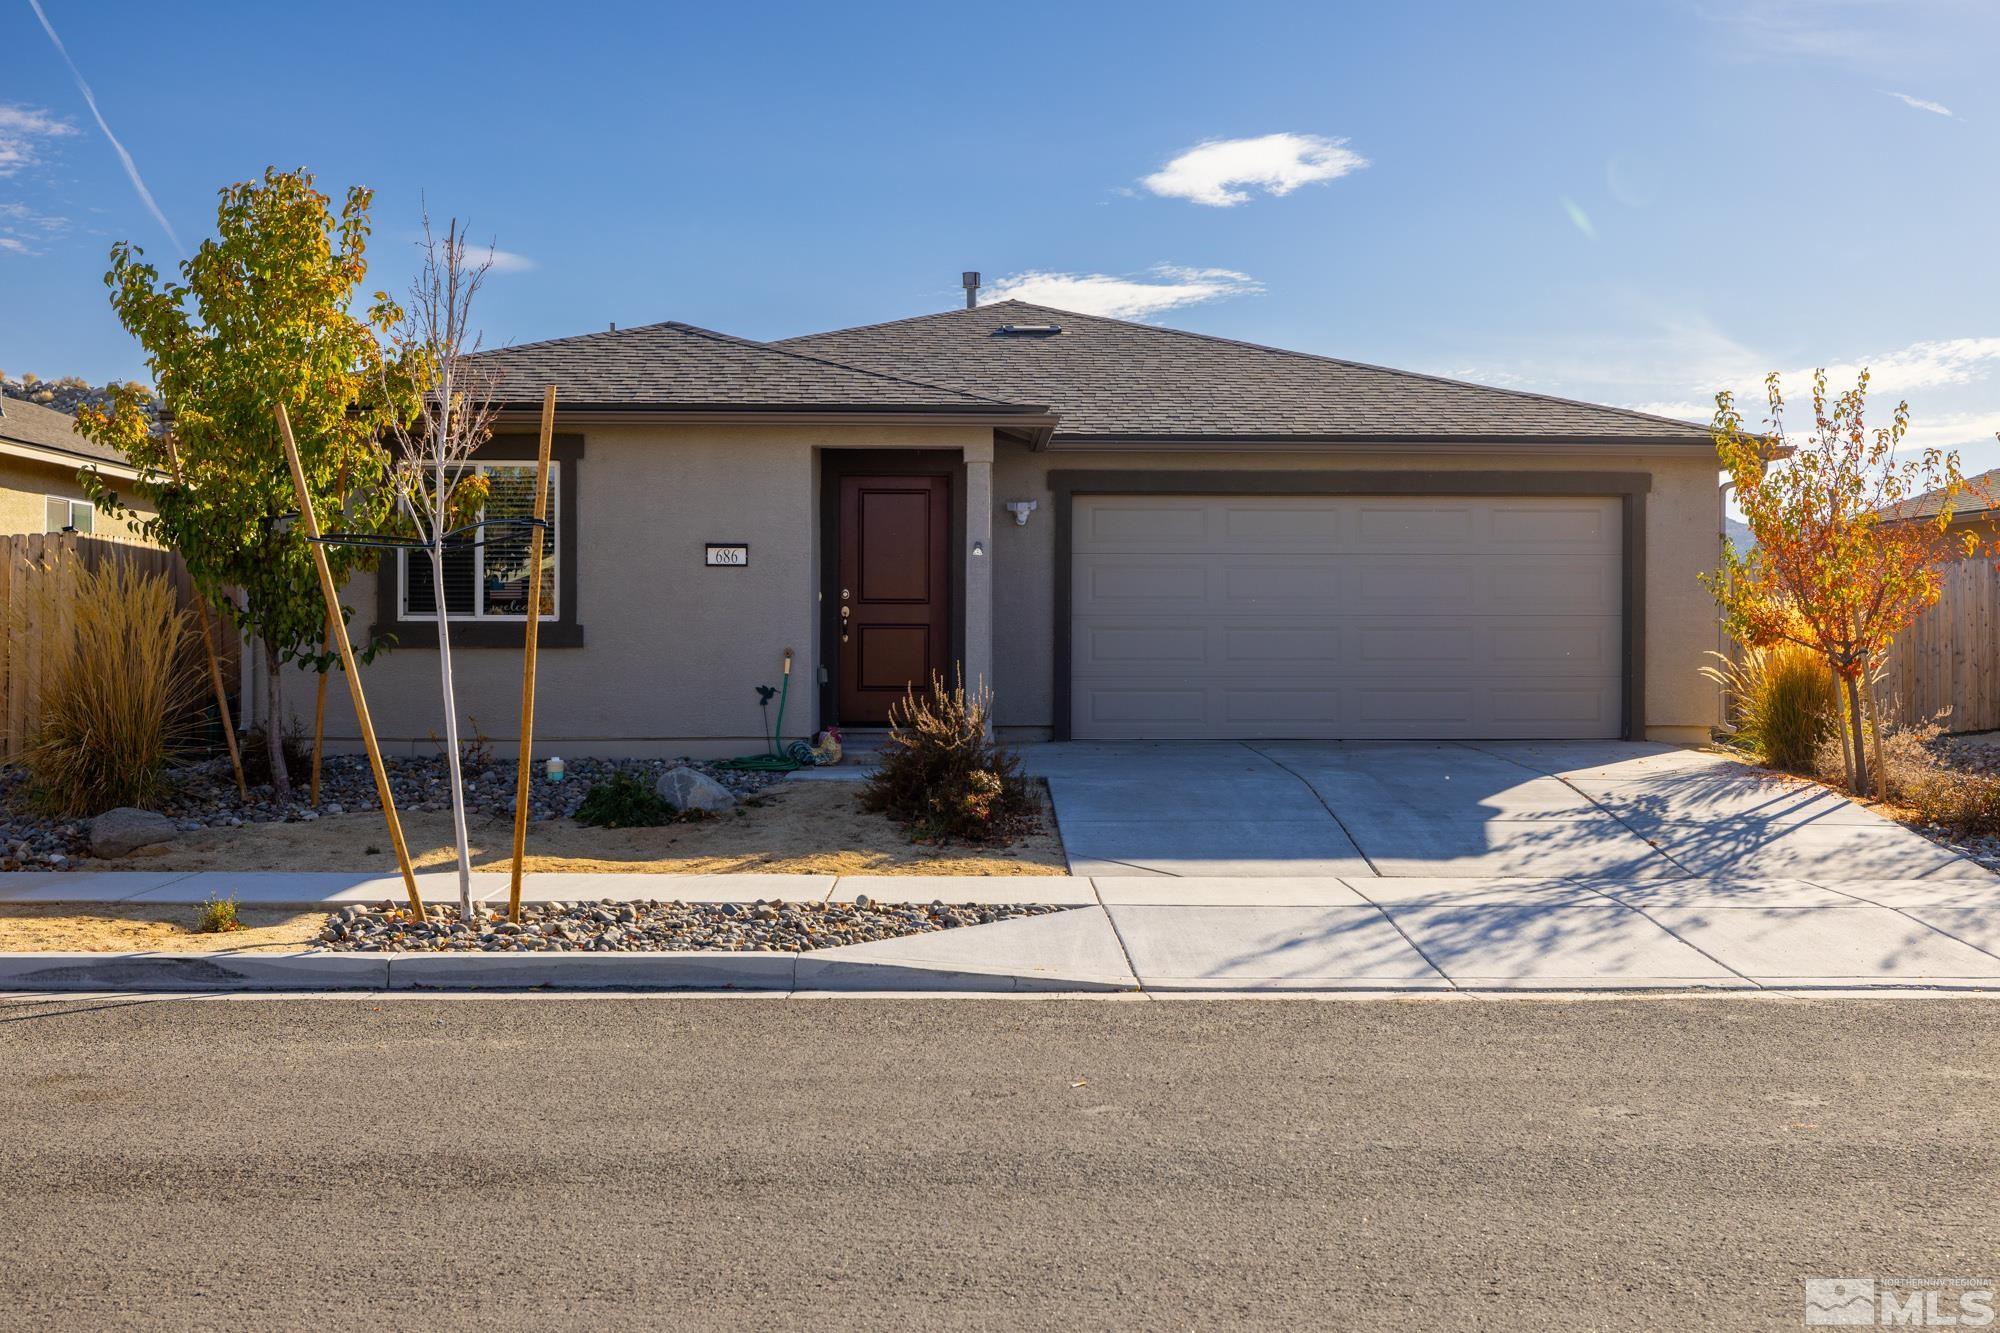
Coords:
pixel 1843 562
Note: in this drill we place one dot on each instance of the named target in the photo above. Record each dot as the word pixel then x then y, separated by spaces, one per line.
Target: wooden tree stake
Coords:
pixel 332 595
pixel 522 774
pixel 214 666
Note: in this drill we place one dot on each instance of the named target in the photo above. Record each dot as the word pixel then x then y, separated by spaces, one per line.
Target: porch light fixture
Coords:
pixel 1020 509
pixel 979 548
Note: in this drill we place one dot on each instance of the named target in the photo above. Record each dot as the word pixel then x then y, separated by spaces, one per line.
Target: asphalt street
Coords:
pixel 654 1162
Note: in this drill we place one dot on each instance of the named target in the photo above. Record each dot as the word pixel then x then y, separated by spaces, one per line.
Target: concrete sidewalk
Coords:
pixel 1148 932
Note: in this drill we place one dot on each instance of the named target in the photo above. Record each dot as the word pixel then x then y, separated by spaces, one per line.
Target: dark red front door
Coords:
pixel 895 608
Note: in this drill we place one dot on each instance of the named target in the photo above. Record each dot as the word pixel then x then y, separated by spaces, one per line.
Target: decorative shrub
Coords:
pixel 1923 775
pixel 942 774
pixel 1782 704
pixel 624 801
pixel 217 915
pixel 120 693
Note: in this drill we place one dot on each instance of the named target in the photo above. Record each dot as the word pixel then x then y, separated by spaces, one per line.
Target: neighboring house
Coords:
pixel 1127 531
pixel 1977 508
pixel 1945 664
pixel 40 456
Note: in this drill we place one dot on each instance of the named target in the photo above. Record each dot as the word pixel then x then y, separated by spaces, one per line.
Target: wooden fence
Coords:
pixel 1951 657
pixel 36 592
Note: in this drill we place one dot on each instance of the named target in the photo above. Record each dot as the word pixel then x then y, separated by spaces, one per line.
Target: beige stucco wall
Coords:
pixel 1682 527
pixel 673 649
pixel 24 490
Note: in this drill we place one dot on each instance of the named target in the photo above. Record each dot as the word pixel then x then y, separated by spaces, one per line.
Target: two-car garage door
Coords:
pixel 1220 617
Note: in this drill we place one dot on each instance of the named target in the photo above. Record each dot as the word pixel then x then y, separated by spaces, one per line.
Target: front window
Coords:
pixel 486 575
pixel 65 514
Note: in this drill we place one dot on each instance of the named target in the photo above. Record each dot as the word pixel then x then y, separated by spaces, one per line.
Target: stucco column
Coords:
pixel 979 565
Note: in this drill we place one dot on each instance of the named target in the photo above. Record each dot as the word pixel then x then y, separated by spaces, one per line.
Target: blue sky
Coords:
pixel 1634 203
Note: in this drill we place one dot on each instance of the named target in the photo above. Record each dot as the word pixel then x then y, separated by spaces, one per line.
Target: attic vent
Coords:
pixel 1028 330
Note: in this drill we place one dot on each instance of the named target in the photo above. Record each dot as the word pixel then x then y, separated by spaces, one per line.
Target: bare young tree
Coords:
pixel 436 488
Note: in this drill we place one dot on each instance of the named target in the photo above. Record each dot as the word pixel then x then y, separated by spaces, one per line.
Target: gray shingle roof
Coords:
pixel 45 428
pixel 1981 496
pixel 1113 380
pixel 676 366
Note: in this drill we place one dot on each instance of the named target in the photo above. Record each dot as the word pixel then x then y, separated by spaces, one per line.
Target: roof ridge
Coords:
pixel 906 319
pixel 1368 366
pixel 736 340
pixel 844 365
pixel 1365 365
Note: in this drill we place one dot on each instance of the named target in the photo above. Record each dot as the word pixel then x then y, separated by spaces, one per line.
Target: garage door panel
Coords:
pixel 1427 526
pixel 1250 527
pixel 1273 710
pixel 1407 644
pixel 1132 706
pixel 1130 584
pixel 1550 704
pixel 1544 526
pixel 1363 617
pixel 1118 647
pixel 1280 646
pixel 1263 584
pixel 1165 525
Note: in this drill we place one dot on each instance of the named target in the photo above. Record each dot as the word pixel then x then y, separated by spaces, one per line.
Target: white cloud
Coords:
pixel 1935 108
pixel 1209 172
pixel 1165 287
pixel 21 228
pixel 1953 430
pixel 1921 365
pixel 501 261
pixel 22 132
pixel 1679 410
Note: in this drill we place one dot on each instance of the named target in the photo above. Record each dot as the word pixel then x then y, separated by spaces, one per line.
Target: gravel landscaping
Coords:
pixel 610 926
pixel 204 797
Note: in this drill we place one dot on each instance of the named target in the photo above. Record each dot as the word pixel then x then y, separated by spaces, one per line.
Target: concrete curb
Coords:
pixel 690 970
pixel 315 969
pixel 328 970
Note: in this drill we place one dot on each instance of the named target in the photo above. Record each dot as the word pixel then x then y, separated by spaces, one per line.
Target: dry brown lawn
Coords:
pixel 163 928
pixel 791 828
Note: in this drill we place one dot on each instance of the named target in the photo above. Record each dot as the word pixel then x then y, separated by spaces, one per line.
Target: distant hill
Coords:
pixel 64 395
pixel 1739 534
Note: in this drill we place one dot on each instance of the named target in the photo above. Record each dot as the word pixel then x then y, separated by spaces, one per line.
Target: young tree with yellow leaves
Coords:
pixel 1835 569
pixel 263 313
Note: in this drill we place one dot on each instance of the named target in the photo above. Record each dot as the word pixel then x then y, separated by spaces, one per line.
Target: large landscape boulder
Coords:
pixel 685 788
pixel 125 830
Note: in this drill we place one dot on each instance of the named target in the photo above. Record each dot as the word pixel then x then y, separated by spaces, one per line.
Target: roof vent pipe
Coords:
pixel 971 283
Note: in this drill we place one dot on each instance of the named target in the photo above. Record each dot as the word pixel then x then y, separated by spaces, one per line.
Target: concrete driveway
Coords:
pixel 1592 812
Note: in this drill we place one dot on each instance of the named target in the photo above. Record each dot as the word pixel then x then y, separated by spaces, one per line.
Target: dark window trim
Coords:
pixel 835 464
pixel 564 631
pixel 1629 488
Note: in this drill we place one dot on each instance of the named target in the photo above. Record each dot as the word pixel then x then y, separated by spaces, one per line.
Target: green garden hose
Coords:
pixel 773 760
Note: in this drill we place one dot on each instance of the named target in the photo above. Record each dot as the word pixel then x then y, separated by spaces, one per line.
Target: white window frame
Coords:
pixel 479 612
pixel 88 509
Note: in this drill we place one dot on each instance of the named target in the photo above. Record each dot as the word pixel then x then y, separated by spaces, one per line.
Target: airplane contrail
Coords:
pixel 131 167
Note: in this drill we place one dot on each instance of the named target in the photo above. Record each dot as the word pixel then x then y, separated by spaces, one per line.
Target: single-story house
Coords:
pixel 40 456
pixel 1976 509
pixel 1126 531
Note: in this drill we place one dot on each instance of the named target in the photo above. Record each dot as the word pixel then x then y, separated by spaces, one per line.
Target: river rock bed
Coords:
pixel 203 795
pixel 651 926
